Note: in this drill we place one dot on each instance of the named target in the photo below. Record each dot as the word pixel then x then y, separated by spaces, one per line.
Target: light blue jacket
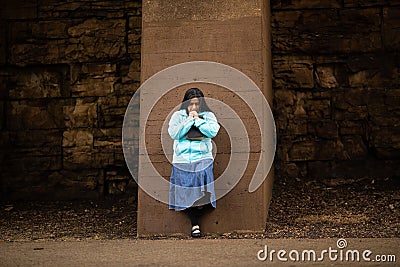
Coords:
pixel 186 151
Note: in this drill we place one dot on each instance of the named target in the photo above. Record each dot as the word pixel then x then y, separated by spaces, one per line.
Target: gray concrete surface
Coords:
pixel 192 252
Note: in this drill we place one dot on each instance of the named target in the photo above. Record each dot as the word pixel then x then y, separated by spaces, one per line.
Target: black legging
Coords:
pixel 194 213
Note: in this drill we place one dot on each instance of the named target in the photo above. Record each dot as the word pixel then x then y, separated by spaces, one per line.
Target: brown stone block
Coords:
pixel 20 162
pixel 94 87
pixel 3 43
pixel 356 97
pixel 42 82
pixel 318 108
pixel 108 137
pixel 128 88
pixel 116 187
pixel 120 160
pixel 99 69
pixel 355 147
pixel 24 9
pixel 362 3
pixel 376 75
pixel 103 157
pixel 134 49
pixel 26 115
pixel 282 150
pixel 77 138
pixel 331 72
pixel 79 180
pixel 346 108
pixel 2 113
pixel 290 170
pixel 391 33
pixel 293 73
pixel 82 114
pixel 281 123
pixel 49 150
pixel 326 77
pixel 361 20
pixel 7 140
pixel 385 119
pixel 135 22
pixel 331 150
pixel 316 150
pixel 111 117
pixel 283 98
pixel 296 127
pixel 108 5
pixel 301 4
pixel 325 129
pixel 54 5
pixel 95 39
pixel 388 153
pixel 376 101
pixel 77 157
pixel 327 31
pixel 133 74
pixel 38 140
pixel 22 54
pixel 385 141
pixel 359 168
pixel 393 98
pixel 351 113
pixel 303 151
pixel 117 101
pixel 51 29
pixel 356 127
pixel 135 7
pixel 81 9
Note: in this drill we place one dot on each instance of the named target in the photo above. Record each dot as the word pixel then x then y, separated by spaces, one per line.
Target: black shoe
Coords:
pixel 196 231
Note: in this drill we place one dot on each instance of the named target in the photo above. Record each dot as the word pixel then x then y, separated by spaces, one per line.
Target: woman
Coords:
pixel 192 179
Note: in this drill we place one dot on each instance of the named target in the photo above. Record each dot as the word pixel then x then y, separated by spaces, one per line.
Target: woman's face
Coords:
pixel 194 105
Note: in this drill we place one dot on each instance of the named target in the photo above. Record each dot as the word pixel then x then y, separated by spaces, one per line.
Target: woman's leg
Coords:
pixel 194 215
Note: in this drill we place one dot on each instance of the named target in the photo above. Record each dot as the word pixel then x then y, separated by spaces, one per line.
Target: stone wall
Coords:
pixel 67 72
pixel 69 68
pixel 336 68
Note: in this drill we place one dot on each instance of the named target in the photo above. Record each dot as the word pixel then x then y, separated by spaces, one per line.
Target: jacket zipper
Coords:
pixel 190 151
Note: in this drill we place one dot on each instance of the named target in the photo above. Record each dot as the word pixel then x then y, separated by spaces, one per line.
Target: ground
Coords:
pixel 350 208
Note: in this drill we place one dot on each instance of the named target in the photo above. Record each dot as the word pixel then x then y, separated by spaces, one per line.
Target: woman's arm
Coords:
pixel 179 126
pixel 208 126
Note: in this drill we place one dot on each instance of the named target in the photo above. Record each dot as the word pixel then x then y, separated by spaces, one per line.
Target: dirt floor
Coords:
pixel 350 208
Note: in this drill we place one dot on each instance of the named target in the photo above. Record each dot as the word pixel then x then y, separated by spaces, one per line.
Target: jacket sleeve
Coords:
pixel 208 126
pixel 179 126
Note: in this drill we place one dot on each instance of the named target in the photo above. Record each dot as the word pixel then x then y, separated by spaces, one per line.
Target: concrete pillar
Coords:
pixel 232 32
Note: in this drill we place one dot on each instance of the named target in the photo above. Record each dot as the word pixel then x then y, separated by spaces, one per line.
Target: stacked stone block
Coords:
pixel 336 82
pixel 67 72
pixel 69 68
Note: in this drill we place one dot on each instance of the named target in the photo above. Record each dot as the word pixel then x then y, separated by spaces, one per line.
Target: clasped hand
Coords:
pixel 193 114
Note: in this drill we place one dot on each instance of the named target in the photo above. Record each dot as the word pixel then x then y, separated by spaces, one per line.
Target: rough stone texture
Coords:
pixel 69 68
pixel 67 72
pixel 336 86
